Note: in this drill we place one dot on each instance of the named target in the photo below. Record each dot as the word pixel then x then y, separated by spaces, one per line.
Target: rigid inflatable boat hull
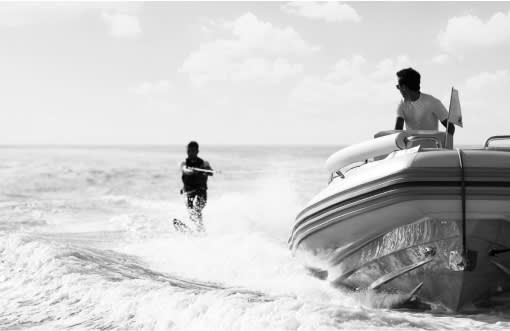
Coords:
pixel 405 235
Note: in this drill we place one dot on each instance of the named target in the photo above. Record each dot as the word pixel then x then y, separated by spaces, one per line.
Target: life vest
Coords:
pixel 196 180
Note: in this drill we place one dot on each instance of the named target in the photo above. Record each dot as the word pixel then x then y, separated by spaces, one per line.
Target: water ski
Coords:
pixel 180 226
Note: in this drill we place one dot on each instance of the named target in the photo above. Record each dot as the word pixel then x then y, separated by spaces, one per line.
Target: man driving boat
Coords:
pixel 419 111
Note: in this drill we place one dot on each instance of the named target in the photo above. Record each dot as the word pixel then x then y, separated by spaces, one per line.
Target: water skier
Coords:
pixel 195 172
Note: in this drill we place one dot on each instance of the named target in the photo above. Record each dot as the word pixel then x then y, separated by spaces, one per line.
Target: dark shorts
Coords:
pixel 196 199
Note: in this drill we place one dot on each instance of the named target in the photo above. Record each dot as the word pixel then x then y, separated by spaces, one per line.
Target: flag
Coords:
pixel 454 113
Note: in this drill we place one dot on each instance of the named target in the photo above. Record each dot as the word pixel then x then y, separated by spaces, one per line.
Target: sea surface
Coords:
pixel 86 242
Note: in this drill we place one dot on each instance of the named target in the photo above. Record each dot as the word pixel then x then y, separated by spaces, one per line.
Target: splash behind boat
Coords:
pixel 402 214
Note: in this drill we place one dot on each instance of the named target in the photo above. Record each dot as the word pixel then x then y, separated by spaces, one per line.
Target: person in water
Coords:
pixel 419 111
pixel 195 172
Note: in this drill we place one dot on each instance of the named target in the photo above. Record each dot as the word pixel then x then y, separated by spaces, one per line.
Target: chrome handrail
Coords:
pixel 417 138
pixel 341 173
pixel 495 138
pixel 409 138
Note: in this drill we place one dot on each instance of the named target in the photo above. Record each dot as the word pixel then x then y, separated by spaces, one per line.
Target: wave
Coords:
pixel 64 286
pixel 55 284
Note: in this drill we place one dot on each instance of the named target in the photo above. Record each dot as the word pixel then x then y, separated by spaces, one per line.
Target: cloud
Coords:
pixel 122 25
pixel 120 17
pixel 387 68
pixel 157 96
pixel 257 50
pixel 149 89
pixel 353 100
pixel 485 104
pixel 351 83
pixel 327 11
pixel 440 59
pixel 490 80
pixel 255 35
pixel 470 31
pixel 263 69
pixel 347 69
pixel 486 93
pixel 16 14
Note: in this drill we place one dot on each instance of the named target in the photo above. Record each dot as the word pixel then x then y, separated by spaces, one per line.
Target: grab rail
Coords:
pixel 385 143
pixel 341 172
pixel 413 135
pixel 495 138
pixel 413 139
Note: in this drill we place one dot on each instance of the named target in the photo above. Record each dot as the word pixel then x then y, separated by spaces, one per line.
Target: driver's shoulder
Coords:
pixel 428 97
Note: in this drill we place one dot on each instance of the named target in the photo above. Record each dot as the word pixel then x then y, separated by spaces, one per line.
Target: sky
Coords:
pixel 244 72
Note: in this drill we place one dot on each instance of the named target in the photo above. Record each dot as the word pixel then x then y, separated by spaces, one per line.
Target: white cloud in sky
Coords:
pixel 351 84
pixel 157 97
pixel 122 25
pixel 254 34
pixel 485 104
pixel 266 70
pixel 327 11
pixel 205 29
pixel 441 58
pixel 153 88
pixel 16 14
pixel 471 31
pixel 355 100
pixel 120 17
pixel 490 80
pixel 347 69
pixel 387 68
pixel 258 50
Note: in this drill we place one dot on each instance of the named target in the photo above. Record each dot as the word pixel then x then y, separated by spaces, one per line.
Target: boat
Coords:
pixel 405 214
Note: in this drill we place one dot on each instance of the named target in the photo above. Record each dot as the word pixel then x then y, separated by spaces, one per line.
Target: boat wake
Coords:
pixel 46 281
pixel 52 281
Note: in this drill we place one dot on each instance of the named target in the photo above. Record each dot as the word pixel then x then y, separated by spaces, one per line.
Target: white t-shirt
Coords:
pixel 422 114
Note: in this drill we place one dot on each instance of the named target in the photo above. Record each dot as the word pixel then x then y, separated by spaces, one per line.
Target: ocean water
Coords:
pixel 86 243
